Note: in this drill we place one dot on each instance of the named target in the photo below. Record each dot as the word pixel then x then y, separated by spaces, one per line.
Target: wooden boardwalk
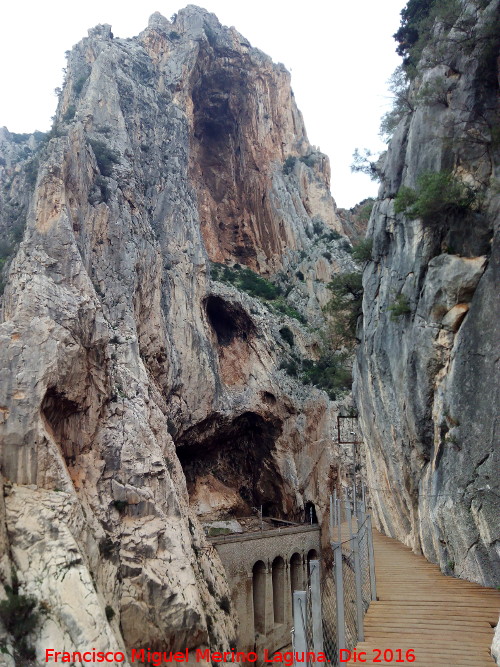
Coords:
pixel 446 621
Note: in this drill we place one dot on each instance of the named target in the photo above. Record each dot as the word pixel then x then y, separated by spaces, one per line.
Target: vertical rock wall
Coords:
pixel 427 379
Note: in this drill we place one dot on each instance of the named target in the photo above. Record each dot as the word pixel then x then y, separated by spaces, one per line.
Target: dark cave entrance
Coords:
pixel 64 418
pixel 228 320
pixel 227 168
pixel 310 513
pixel 238 453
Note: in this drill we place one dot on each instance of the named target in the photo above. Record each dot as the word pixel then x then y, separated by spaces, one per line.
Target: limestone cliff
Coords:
pixel 139 394
pixel 427 368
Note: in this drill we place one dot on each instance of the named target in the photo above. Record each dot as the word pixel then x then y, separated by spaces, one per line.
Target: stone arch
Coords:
pixel 312 554
pixel 296 579
pixel 278 578
pixel 259 596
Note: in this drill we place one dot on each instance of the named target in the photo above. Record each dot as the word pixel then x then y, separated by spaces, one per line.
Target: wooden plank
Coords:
pixel 448 621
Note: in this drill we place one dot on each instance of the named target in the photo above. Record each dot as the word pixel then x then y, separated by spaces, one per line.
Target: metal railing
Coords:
pixel 329 614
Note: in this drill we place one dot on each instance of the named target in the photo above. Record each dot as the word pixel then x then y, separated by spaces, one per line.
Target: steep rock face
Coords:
pixel 243 125
pixel 132 377
pixel 427 378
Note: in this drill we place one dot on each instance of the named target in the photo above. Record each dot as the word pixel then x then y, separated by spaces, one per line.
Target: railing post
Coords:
pixel 348 513
pixel 332 518
pixel 359 590
pixel 299 623
pixel 339 594
pixel 317 625
pixel 371 557
pixel 354 501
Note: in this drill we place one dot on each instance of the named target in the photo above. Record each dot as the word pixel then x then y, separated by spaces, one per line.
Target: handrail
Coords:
pixel 257 535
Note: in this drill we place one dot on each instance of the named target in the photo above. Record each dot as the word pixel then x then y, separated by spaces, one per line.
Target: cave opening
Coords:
pixel 64 418
pixel 310 513
pixel 225 163
pixel 228 320
pixel 230 468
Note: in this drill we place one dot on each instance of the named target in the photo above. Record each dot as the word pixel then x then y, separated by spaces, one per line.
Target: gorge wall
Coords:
pixel 426 380
pixel 140 395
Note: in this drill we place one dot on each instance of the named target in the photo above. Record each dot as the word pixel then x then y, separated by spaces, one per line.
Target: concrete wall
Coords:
pixel 240 554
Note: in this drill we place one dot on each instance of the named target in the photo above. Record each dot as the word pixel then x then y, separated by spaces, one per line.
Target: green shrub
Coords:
pixel 399 86
pixel 120 505
pixel 285 308
pixel 362 251
pixel 344 308
pixel 327 255
pixel 107 547
pixel 290 367
pixel 287 335
pixel 365 210
pixel 70 113
pixel 364 164
pixel 307 160
pixel 215 531
pixel 19 617
pixel 105 156
pixel 5 249
pixel 289 165
pixel 346 246
pixel 300 275
pixel 257 286
pixel 79 83
pixel 433 92
pixel 110 612
pixel 318 227
pixel 246 280
pixel 330 373
pixel 225 604
pixel 416 29
pixel 19 137
pixel 438 195
pixel 400 306
pixel 334 235
pixel 173 34
pixel 31 171
pixel 405 199
pixel 101 183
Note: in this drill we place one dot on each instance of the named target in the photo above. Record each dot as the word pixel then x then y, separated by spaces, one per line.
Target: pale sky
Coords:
pixel 340 55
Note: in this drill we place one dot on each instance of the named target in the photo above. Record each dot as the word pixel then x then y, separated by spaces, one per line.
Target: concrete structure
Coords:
pixel 263 569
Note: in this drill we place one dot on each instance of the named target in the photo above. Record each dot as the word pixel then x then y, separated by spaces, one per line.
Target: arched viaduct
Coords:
pixel 263 568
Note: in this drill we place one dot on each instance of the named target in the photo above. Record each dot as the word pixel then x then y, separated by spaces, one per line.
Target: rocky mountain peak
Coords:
pixel 145 352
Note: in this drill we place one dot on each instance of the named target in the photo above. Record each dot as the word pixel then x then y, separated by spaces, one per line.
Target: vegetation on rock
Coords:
pixel 366 163
pixel 344 308
pixel 105 156
pixel 19 617
pixel 245 279
pixel 362 251
pixel 289 165
pixel 399 86
pixel 331 372
pixel 287 335
pixel 400 306
pixel 284 308
pixel 438 194
pixel 417 22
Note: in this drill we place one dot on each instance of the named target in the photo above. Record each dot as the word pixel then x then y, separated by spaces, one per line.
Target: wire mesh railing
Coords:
pixel 329 615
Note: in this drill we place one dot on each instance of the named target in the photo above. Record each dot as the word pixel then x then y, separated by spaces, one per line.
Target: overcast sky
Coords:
pixel 340 55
